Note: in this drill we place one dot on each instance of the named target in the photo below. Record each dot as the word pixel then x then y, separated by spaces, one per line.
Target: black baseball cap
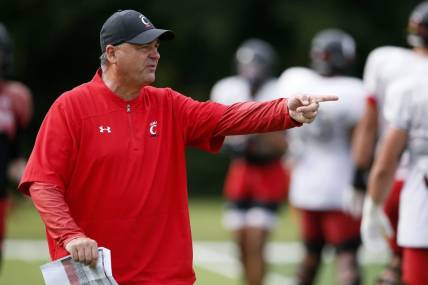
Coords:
pixel 130 26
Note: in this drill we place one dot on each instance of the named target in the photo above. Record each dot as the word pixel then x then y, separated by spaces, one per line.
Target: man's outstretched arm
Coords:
pixel 276 115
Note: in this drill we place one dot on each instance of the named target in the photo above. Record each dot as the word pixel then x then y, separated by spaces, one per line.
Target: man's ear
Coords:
pixel 111 54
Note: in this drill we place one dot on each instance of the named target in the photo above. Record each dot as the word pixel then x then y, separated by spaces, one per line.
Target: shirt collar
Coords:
pixel 99 83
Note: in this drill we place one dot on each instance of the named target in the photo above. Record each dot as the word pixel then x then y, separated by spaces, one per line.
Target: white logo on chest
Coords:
pixel 152 129
pixel 105 129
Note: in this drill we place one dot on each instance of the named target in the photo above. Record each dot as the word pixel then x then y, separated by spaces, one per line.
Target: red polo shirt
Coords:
pixel 122 167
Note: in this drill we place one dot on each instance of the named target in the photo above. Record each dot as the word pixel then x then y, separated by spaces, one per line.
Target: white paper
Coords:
pixel 65 271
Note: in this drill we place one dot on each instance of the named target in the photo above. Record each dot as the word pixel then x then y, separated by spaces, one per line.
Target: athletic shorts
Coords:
pixel 249 213
pixel 267 182
pixel 391 208
pixel 3 212
pixel 331 227
pixel 415 266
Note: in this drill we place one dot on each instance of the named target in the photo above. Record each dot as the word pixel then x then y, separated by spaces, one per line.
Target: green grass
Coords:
pixel 327 272
pixel 16 272
pixel 205 277
pixel 28 273
pixel 24 223
pixel 206 215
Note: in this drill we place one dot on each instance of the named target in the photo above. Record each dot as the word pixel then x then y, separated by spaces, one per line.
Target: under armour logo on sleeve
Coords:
pixel 105 129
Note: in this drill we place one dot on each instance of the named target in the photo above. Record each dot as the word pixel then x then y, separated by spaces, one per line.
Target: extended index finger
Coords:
pixel 324 98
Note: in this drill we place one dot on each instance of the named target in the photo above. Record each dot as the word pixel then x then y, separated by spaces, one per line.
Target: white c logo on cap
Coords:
pixel 145 20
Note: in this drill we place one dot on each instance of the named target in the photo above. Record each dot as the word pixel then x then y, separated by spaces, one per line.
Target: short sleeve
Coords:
pixel 231 90
pixel 354 101
pixel 397 110
pixel 218 92
pixel 199 120
pixel 53 155
pixel 381 68
pixel 293 81
pixel 369 75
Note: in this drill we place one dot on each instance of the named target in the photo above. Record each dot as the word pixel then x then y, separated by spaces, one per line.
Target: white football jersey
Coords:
pixel 384 66
pixel 236 89
pixel 322 163
pixel 407 102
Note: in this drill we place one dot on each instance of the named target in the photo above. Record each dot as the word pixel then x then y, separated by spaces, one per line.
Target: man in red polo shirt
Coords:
pixel 108 165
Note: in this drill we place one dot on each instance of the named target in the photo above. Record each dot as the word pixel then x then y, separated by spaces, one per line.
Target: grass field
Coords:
pixel 24 223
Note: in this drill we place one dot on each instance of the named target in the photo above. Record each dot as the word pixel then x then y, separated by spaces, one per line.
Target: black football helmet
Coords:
pixel 332 52
pixel 255 60
pixel 417 29
pixel 6 49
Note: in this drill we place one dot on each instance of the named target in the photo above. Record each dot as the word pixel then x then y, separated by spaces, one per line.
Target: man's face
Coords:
pixel 137 64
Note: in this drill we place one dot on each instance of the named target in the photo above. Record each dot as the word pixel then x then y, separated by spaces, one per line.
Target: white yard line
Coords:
pixel 276 252
pixel 27 250
pixel 221 258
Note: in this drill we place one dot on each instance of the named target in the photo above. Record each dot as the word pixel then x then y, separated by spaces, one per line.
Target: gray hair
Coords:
pixel 103 59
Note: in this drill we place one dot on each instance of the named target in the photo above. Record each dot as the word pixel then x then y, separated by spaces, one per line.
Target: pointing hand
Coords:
pixel 304 108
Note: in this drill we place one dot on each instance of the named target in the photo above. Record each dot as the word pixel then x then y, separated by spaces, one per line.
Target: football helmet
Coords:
pixel 332 52
pixel 255 60
pixel 417 29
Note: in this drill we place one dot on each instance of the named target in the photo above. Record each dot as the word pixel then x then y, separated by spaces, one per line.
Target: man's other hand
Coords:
pixel 84 250
pixel 304 108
